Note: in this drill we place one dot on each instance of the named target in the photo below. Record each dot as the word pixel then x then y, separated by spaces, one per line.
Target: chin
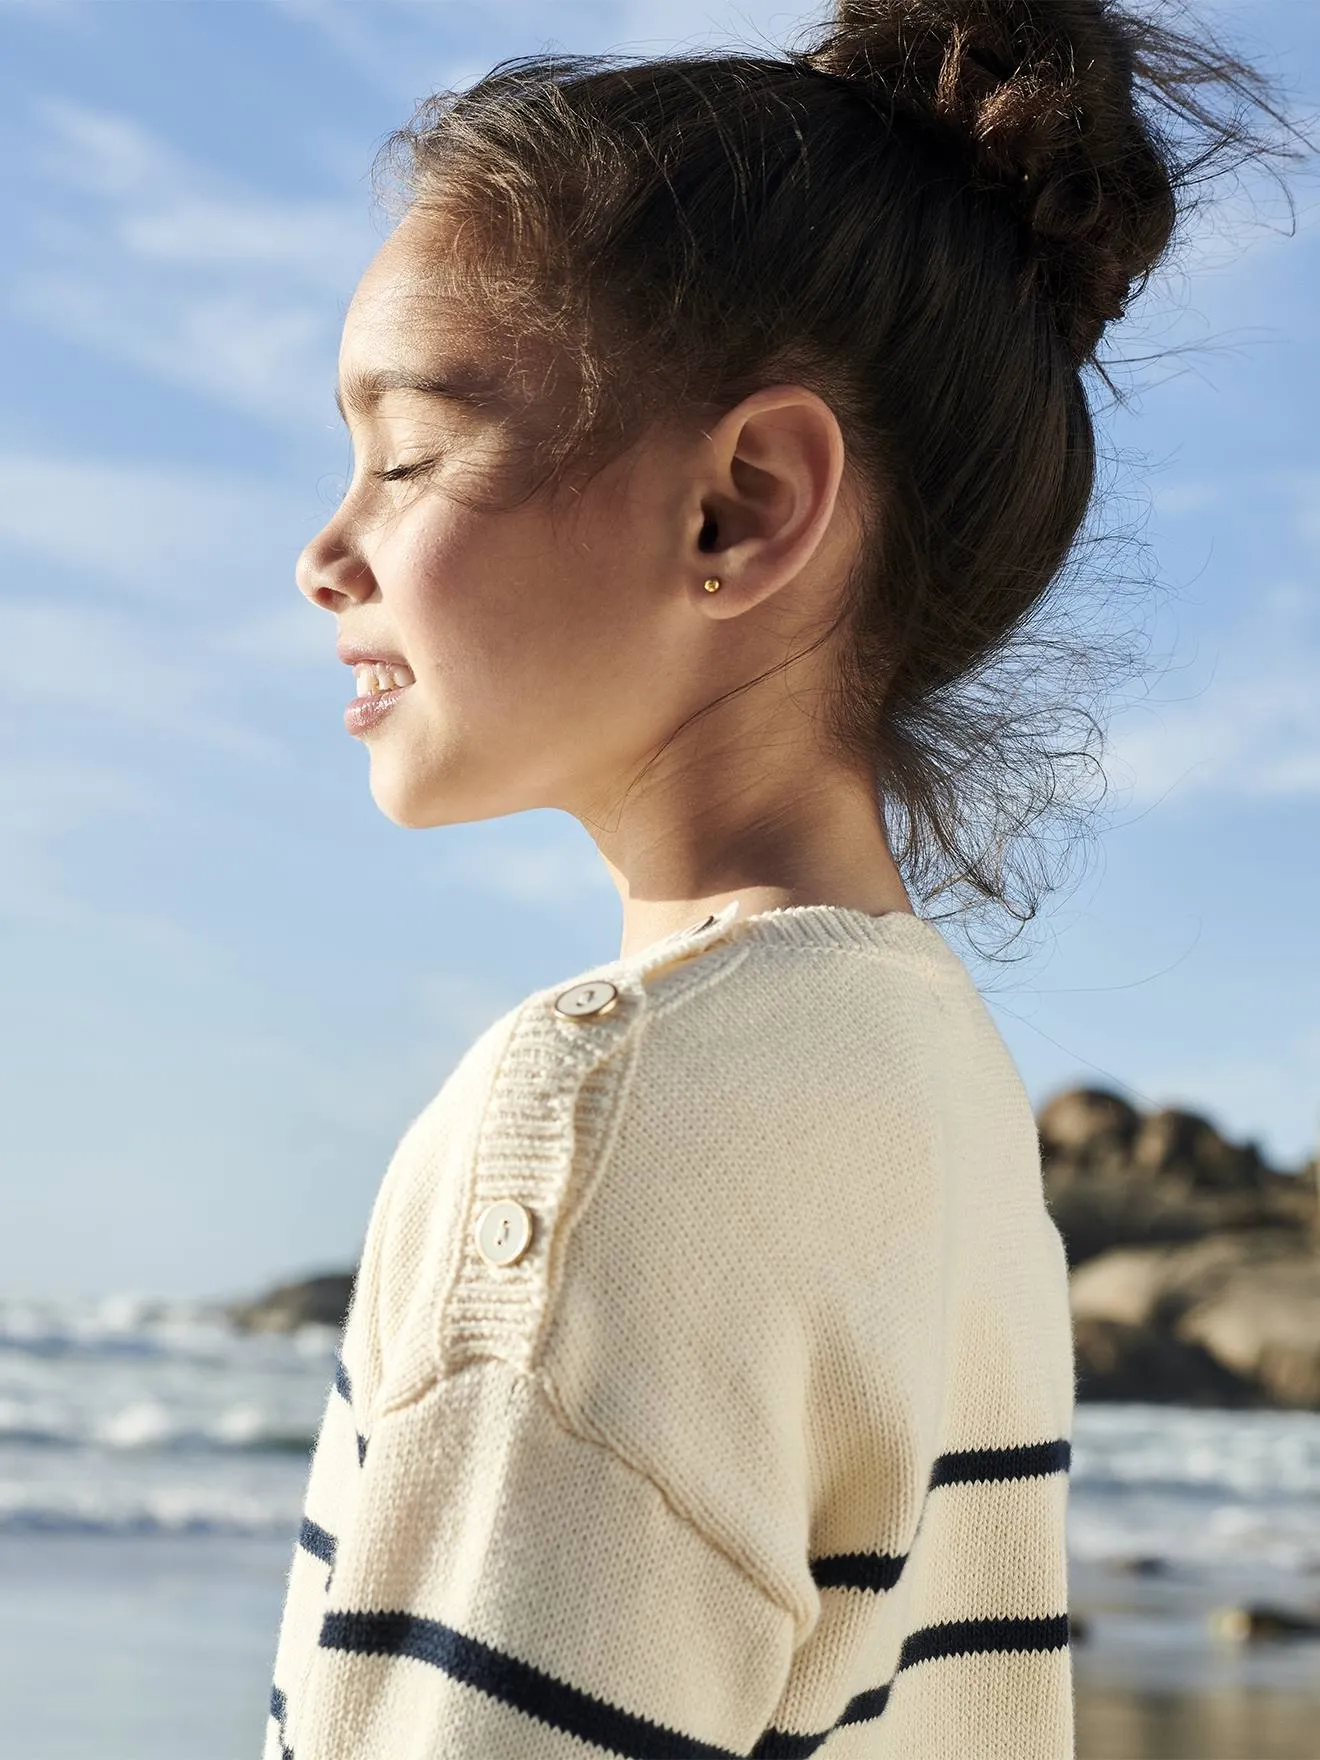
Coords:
pixel 411 813
pixel 414 807
pixel 409 807
pixel 451 790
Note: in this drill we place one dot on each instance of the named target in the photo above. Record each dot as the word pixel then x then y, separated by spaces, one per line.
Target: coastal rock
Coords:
pixel 1257 1621
pixel 1115 1178
pixel 1120 1362
pixel 314 1301
pixel 1149 1322
pixel 1262 1320
pixel 1194 1266
pixel 1084 1121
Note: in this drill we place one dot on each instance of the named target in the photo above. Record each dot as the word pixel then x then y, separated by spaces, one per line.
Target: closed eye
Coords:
pixel 399 473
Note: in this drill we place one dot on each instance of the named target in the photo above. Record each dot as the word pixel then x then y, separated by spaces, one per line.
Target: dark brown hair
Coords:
pixel 928 214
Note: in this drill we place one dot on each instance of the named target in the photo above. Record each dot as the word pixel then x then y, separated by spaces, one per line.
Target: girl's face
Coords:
pixel 553 644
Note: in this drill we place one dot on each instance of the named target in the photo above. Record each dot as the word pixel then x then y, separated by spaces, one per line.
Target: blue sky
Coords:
pixel 230 982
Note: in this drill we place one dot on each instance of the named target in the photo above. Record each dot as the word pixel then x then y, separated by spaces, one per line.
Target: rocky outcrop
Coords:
pixel 315 1301
pixel 1195 1267
pixel 1116 1361
pixel 1260 1621
pixel 1114 1177
pixel 1233 1319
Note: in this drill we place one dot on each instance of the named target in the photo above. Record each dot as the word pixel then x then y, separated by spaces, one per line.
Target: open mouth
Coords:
pixel 377 676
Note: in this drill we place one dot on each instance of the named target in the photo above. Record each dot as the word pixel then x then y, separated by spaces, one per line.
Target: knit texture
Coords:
pixel 760 1446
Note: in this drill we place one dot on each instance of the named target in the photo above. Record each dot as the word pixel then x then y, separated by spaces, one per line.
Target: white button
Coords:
pixel 593 997
pixel 503 1231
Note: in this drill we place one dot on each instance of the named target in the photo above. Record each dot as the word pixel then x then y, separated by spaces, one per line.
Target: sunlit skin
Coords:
pixel 557 644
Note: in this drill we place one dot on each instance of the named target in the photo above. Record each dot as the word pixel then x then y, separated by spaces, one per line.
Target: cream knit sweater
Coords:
pixel 707 1384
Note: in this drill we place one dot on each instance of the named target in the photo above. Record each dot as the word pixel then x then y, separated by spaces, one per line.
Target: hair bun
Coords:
pixel 1040 95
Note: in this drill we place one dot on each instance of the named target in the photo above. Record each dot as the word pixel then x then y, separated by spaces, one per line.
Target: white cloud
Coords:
pixel 397 45
pixel 115 670
pixel 1252 731
pixel 273 361
pixel 562 871
pixel 151 531
pixel 1184 497
pixel 458 1009
pixel 405 48
pixel 171 573
pixel 298 635
pixel 40 802
pixel 56 12
pixel 1305 489
pixel 1273 1097
pixel 149 257
pixel 45 803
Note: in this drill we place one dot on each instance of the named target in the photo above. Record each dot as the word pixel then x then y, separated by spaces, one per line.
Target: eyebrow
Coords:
pixel 361 391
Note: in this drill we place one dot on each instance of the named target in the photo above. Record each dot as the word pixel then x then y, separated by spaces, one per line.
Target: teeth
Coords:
pixel 378 675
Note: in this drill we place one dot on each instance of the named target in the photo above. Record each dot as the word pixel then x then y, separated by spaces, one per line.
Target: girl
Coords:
pixel 707 1384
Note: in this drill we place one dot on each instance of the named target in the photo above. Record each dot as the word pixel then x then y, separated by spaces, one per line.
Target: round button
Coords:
pixel 593 997
pixel 503 1231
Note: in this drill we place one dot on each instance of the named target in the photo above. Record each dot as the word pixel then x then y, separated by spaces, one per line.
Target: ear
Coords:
pixel 767 495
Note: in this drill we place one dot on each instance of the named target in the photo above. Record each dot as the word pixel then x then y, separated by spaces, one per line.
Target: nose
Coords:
pixel 331 573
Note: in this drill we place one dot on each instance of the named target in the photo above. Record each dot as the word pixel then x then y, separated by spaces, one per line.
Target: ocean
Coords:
pixel 152 1468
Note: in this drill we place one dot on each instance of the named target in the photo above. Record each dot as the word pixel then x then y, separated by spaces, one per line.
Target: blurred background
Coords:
pixel 198 897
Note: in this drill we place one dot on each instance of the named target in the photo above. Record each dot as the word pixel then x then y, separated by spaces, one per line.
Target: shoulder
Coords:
pixel 645 1099
pixel 525 1109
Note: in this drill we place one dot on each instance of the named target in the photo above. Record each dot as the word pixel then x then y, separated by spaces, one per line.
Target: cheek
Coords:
pixel 503 610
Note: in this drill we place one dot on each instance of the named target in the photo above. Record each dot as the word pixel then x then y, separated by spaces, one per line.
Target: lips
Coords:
pixel 368 656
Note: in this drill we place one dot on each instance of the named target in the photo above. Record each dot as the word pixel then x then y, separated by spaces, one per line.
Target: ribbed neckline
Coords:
pixel 806 925
pixel 836 925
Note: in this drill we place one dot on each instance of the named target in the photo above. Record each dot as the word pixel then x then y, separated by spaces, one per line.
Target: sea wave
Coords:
pixel 181 1510
pixel 127 1377
pixel 132 1328
pixel 1197 1452
pixel 149 1424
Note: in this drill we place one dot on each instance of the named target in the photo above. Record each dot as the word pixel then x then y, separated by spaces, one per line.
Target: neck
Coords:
pixel 824 844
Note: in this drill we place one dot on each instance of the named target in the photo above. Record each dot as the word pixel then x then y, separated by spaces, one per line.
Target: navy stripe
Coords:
pixel 560 1706
pixel 971 1465
pixel 782 1744
pixel 877 1571
pixel 313 1538
pixel 279 1710
pixel 965 1637
pixel 512 1682
pixel 858 1570
pixel 976 1637
pixel 344 1388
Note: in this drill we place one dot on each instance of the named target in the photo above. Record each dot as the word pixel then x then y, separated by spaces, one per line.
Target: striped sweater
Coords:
pixel 707 1384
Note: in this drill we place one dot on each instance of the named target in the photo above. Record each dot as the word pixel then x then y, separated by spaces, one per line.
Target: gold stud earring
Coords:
pixel 712 585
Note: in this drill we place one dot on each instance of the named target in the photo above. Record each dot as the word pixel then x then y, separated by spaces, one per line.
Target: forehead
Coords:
pixel 405 331
pixel 404 284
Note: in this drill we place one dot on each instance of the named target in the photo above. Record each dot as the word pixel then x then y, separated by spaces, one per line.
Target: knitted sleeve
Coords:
pixel 533 1533
pixel 509 1588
